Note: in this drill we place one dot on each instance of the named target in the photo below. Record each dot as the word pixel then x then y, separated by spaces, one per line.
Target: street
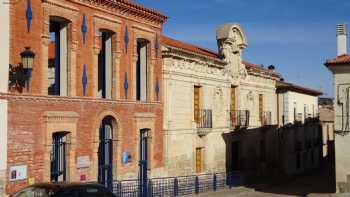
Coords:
pixel 313 185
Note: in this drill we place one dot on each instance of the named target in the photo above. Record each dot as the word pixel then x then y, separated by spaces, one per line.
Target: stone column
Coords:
pixel 45 41
pixel 133 71
pixel 116 76
pixel 151 71
pixel 72 70
pixel 95 66
pixel 108 67
pixel 72 81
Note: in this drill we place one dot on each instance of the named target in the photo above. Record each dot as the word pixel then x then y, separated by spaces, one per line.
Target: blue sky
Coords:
pixel 297 36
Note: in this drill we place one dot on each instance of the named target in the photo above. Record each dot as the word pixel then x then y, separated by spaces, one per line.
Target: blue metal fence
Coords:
pixel 178 186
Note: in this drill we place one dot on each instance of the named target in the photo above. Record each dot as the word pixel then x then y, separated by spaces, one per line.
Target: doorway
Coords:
pixel 143 164
pixel 59 157
pixel 105 153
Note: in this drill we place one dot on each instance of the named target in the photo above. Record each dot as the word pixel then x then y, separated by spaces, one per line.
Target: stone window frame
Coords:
pixel 143 33
pixel 69 13
pixel 145 121
pixel 58 121
pixel 113 25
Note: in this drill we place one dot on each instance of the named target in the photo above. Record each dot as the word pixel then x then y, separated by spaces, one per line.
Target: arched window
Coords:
pixel 58 57
pixel 142 70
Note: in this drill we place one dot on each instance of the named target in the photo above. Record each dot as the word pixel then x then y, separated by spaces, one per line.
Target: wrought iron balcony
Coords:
pixel 239 118
pixel 205 119
pixel 266 118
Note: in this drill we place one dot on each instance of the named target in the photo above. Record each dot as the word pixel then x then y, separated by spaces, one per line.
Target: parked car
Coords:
pixel 65 190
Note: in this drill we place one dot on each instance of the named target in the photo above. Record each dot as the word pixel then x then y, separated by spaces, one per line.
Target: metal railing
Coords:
pixel 266 118
pixel 179 186
pixel 239 118
pixel 205 119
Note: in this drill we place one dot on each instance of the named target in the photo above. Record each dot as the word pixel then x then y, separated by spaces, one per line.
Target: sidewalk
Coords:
pixel 237 191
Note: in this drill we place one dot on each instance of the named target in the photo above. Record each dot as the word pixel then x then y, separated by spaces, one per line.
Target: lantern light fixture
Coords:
pixel 27 57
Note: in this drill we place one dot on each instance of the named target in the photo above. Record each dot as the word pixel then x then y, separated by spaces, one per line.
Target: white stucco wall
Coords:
pixel 4 65
pixel 249 91
pixel 342 157
pixel 181 137
pixel 5 45
pixel 3 134
pixel 290 99
pixel 181 133
pixel 341 80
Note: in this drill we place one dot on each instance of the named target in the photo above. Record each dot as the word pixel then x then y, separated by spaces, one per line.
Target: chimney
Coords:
pixel 341 39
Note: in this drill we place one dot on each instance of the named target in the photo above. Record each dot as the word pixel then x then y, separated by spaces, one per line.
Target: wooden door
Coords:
pixel 233 107
pixel 197 103
pixel 261 106
pixel 198 160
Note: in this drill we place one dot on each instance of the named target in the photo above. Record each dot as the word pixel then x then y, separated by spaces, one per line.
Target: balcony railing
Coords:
pixel 239 118
pixel 205 118
pixel 266 118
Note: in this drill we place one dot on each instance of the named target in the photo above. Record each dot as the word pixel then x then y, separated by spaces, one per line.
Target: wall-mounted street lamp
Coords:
pixel 27 57
pixel 22 73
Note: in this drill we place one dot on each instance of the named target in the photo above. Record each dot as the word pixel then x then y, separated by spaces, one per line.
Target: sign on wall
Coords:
pixel 18 173
pixel 83 162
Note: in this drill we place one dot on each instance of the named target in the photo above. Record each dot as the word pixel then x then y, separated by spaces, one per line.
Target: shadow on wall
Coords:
pixel 286 160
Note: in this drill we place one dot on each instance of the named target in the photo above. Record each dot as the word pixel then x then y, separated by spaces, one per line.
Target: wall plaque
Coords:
pixel 18 173
pixel 83 162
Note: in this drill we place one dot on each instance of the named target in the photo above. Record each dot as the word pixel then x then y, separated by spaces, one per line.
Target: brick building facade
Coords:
pixel 91 98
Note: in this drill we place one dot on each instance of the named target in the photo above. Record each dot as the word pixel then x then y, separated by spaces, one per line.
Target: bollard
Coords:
pixel 150 189
pixel 176 187
pixel 214 182
pixel 196 185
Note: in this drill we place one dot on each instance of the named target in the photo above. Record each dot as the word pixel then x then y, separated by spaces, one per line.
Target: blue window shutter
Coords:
pixel 29 15
pixel 126 85
pixel 157 45
pixel 84 80
pixel 84 28
pixel 126 39
pixel 157 88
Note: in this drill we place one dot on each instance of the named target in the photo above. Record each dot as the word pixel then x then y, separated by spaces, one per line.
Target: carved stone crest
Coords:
pixel 231 41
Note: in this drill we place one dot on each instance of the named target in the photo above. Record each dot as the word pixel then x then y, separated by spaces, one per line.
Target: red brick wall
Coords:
pixel 26 113
pixel 20 38
pixel 27 131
